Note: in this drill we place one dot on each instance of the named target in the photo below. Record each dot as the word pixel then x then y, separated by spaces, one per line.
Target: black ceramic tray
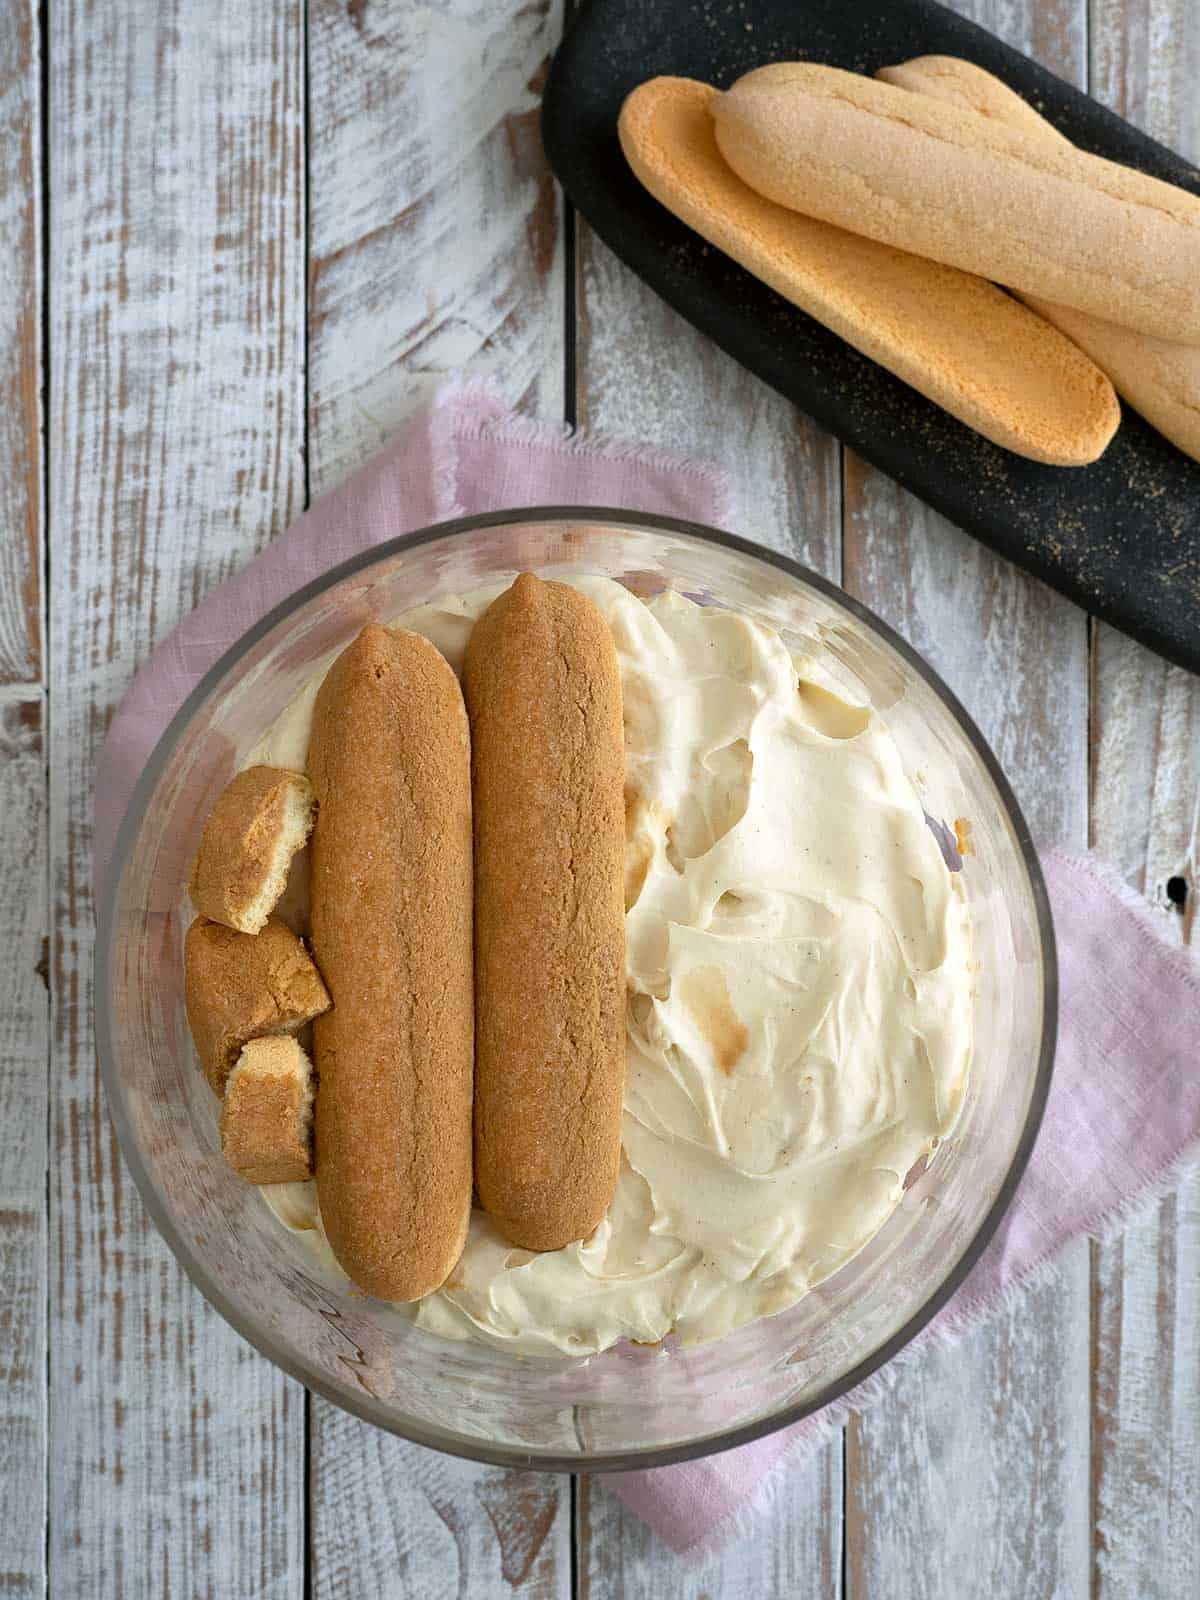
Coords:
pixel 1122 537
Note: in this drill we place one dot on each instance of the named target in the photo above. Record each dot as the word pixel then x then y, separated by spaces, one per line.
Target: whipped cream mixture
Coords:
pixel 799 994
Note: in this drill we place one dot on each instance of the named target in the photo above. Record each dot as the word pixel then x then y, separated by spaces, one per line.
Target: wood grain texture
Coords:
pixel 24 998
pixel 643 373
pixel 435 225
pixel 1146 821
pixel 972 1483
pixel 971 1479
pixel 436 245
pixel 646 374
pixel 24 1051
pixel 20 344
pixel 391 1518
pixel 176 415
pixel 1146 1389
pixel 175 450
pixel 794 1548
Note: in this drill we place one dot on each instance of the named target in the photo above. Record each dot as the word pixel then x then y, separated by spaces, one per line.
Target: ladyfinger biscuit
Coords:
pixel 958 340
pixel 544 694
pixel 389 758
pixel 961 83
pixel 1159 378
pixel 942 181
pixel 263 817
pixel 266 1116
pixel 239 986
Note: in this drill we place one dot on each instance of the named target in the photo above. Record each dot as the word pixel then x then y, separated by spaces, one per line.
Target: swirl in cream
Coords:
pixel 799 994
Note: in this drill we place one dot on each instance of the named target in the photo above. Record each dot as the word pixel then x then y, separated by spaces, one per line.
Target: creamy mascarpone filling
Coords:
pixel 799 993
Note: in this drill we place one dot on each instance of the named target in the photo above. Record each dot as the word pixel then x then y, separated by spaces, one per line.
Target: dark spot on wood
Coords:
pixel 16 1583
pixel 356 10
pixel 1177 892
pixel 522 1511
pixel 537 82
pixel 42 967
pixel 541 227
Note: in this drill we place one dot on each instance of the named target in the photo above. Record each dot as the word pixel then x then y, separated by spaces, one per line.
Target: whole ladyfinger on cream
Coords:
pixel 957 339
pixel 1159 377
pixel 391 890
pixel 942 181
pixel 544 694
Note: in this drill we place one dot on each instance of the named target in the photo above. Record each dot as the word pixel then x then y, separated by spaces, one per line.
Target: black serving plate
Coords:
pixel 1121 537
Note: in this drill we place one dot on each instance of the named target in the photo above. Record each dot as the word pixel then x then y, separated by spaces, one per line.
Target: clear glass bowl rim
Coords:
pixel 363 1406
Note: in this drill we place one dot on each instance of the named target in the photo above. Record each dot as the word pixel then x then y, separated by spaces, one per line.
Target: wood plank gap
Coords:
pixel 1094 1462
pixel 844 1563
pixel 306 1498
pixel 305 421
pixel 575 1486
pixel 41 45
pixel 570 415
pixel 570 363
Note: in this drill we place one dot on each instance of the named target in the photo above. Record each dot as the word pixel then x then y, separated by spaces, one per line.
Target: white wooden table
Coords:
pixel 237 240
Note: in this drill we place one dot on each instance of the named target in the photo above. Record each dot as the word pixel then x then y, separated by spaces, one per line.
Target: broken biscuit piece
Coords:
pixel 261 820
pixel 267 1116
pixel 241 986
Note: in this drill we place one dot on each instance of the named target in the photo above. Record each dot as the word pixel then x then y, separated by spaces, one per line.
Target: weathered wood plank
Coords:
pixel 435 224
pixel 1146 820
pixel 435 245
pixel 795 1548
pixel 24 999
pixel 972 1482
pixel 175 450
pixel 1146 1395
pixel 20 344
pixel 645 374
pixel 24 1050
pixel 391 1518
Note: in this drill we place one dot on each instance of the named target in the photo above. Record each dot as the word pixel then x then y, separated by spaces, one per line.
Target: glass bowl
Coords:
pixel 631 1406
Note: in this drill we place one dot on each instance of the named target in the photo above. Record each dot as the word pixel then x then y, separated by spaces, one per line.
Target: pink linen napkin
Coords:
pixel 1124 1111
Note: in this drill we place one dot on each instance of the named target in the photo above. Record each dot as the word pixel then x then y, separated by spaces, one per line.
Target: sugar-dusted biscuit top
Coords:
pixel 262 819
pixel 240 986
pixel 955 337
pixel 267 1114
pixel 936 178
